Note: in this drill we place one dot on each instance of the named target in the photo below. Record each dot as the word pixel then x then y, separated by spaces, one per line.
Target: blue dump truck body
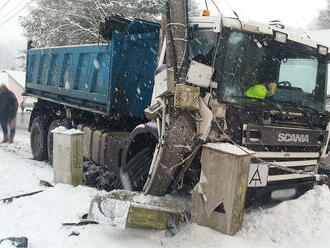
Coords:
pixel 114 78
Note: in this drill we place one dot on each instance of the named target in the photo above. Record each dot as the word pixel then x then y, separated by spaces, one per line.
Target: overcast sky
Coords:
pixel 294 13
pixel 10 31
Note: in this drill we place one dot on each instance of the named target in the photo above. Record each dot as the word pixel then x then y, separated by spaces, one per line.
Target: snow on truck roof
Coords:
pixel 70 46
pixel 216 22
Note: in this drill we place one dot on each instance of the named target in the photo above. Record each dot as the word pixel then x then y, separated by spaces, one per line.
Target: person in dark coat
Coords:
pixel 8 110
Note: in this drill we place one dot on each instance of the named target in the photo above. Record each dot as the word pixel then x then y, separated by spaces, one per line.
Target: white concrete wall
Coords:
pixel 16 88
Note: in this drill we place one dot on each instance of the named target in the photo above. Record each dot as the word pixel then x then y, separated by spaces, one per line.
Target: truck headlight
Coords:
pixel 280 36
pixel 323 50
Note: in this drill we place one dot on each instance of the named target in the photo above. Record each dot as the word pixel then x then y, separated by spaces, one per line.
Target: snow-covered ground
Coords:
pixel 304 222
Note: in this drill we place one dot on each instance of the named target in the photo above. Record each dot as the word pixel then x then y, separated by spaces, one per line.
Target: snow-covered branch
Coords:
pixel 63 22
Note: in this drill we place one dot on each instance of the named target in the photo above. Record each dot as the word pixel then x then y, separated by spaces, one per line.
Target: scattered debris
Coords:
pixel 125 209
pixel 100 177
pixel 81 223
pixel 45 183
pixel 11 198
pixel 19 242
pixel 84 217
pixel 74 233
pixel 172 227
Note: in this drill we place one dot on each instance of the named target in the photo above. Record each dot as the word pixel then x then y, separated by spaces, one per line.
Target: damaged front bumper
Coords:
pixel 284 189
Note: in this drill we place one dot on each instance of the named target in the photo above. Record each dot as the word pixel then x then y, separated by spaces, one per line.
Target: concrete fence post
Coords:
pixel 218 200
pixel 68 156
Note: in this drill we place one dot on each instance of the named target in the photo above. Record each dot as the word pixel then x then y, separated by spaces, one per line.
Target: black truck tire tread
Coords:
pixel 38 138
pixel 137 168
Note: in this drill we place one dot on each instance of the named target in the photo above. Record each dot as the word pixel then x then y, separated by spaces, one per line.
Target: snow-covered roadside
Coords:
pixel 18 172
pixel 304 222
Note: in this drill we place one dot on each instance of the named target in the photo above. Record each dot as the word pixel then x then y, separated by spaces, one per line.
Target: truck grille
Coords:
pixel 299 152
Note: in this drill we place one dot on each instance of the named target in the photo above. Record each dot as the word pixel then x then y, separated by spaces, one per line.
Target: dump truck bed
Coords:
pixel 113 78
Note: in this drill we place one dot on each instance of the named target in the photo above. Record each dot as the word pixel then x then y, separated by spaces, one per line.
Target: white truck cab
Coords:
pixel 288 129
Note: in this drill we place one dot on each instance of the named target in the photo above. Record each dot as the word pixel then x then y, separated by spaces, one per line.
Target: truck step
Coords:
pixel 275 178
pixel 296 163
pixel 287 154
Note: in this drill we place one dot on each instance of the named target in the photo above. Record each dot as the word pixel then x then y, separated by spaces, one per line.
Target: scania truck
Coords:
pixel 106 89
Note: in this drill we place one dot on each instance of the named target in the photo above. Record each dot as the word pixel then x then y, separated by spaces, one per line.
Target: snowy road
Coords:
pixel 304 222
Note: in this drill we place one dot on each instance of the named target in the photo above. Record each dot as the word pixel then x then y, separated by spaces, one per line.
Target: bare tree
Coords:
pixel 323 20
pixel 63 22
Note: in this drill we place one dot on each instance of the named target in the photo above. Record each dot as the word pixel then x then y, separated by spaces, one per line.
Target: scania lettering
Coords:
pixel 287 137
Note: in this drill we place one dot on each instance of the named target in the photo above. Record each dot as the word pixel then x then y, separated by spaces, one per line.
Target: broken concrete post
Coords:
pixel 150 217
pixel 68 156
pixel 218 200
pixel 126 209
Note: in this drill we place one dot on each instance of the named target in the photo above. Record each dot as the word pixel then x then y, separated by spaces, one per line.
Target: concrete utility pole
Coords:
pixel 176 32
pixel 180 132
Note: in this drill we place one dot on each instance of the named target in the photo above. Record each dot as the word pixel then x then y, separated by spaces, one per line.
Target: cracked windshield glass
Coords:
pixel 254 68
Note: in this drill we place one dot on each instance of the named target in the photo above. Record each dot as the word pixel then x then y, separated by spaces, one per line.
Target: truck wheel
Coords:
pixel 136 170
pixel 38 139
pixel 53 125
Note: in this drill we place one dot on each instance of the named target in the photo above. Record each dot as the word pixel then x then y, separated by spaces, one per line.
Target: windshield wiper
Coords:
pixel 276 105
pixel 308 107
pixel 302 108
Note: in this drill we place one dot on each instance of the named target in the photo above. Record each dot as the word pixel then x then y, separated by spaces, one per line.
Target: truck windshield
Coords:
pixel 247 63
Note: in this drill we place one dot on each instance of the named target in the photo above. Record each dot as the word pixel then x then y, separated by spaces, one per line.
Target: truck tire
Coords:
pixel 136 170
pixel 53 125
pixel 38 138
